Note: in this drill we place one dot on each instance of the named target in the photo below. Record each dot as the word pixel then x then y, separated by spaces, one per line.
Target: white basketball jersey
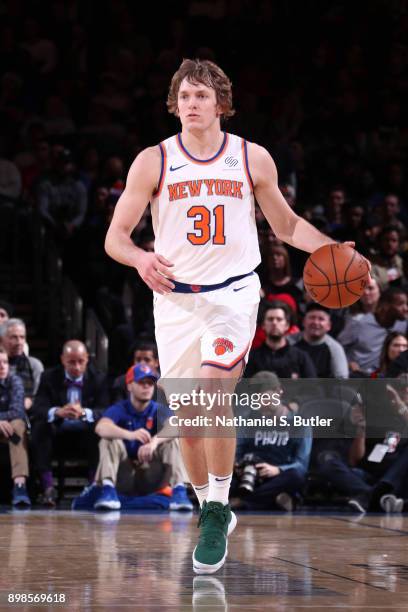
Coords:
pixel 203 212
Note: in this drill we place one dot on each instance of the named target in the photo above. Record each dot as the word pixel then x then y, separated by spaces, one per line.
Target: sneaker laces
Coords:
pixel 212 521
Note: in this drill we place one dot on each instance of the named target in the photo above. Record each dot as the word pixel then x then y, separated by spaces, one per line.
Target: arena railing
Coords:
pixel 72 310
pixel 96 341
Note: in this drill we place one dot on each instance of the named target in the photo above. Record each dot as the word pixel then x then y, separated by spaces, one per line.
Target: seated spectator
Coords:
pixel 368 301
pixel 144 353
pixel 363 337
pixel 10 182
pixel 346 465
pixel 398 366
pixel 13 429
pixel 279 461
pixel 353 227
pixel 62 198
pixel 70 400
pixel 278 276
pixel 276 354
pixel 334 208
pixel 387 265
pixel 259 337
pixel 389 469
pixel 133 459
pixel 394 344
pixel 5 312
pixel 326 353
pixel 389 212
pixel 28 368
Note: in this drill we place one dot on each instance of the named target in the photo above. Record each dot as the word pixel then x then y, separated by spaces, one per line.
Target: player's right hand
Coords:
pixel 153 269
pixel 140 434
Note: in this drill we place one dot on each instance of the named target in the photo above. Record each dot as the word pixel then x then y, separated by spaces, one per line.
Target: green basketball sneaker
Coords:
pixel 217 522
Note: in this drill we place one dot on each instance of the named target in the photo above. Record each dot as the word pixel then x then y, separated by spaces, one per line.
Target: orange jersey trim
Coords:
pixel 227 366
pixel 162 170
pixel 195 160
pixel 246 164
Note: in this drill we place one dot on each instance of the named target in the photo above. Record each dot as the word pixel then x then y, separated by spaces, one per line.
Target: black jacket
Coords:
pixel 52 392
pixel 285 362
pixel 398 366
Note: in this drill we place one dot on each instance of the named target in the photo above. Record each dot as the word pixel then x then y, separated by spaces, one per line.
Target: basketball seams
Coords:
pixel 348 267
pixel 325 286
pixel 335 273
pixel 321 300
pixel 351 291
pixel 352 280
pixel 321 271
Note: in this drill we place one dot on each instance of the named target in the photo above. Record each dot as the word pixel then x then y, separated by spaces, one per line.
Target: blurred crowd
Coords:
pixel 325 95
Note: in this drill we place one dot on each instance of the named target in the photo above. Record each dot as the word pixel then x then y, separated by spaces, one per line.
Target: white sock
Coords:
pixel 107 482
pixel 201 492
pixel 218 489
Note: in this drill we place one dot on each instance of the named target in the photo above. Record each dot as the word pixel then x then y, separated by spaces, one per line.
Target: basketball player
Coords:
pixel 202 184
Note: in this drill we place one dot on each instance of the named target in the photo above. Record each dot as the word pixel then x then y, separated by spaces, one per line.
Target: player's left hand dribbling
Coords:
pixel 154 269
pixel 352 244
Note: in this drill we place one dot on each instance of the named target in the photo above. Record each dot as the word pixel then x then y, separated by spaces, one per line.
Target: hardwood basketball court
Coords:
pixel 143 561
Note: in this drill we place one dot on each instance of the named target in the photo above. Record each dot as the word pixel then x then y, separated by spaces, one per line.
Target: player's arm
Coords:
pixel 286 224
pixel 141 183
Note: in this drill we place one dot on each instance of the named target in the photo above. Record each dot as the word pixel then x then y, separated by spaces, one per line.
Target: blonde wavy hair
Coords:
pixel 209 74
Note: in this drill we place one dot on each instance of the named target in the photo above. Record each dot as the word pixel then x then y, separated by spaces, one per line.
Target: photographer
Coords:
pixel 385 456
pixel 271 465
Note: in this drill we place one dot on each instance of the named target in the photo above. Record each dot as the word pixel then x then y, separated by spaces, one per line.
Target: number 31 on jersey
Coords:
pixel 202 225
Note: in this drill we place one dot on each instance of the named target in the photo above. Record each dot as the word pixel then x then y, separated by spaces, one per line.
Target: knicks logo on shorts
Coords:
pixel 222 345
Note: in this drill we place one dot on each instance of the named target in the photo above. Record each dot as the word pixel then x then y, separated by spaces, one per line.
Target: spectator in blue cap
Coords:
pixel 133 459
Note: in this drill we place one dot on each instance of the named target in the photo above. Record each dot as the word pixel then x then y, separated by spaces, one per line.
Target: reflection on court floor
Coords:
pixel 279 562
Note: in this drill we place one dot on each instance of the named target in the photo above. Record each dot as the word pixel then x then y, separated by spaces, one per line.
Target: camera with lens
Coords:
pixel 247 473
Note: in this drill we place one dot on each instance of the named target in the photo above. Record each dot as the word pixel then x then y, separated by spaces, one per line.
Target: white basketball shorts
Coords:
pixel 212 328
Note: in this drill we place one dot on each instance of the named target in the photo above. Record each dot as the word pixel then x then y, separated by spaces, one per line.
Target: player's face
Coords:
pixel 316 324
pixel 197 105
pixel 275 324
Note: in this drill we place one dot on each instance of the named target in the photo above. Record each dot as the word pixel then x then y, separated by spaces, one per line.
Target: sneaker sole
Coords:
pixel 232 523
pixel 355 505
pixel 204 568
pixel 108 505
pixel 181 506
pixel 392 505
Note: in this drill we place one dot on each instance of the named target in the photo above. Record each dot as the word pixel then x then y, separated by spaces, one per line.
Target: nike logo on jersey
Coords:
pixel 178 167
pixel 239 288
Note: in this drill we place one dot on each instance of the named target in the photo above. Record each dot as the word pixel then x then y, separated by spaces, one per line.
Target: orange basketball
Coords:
pixel 335 275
